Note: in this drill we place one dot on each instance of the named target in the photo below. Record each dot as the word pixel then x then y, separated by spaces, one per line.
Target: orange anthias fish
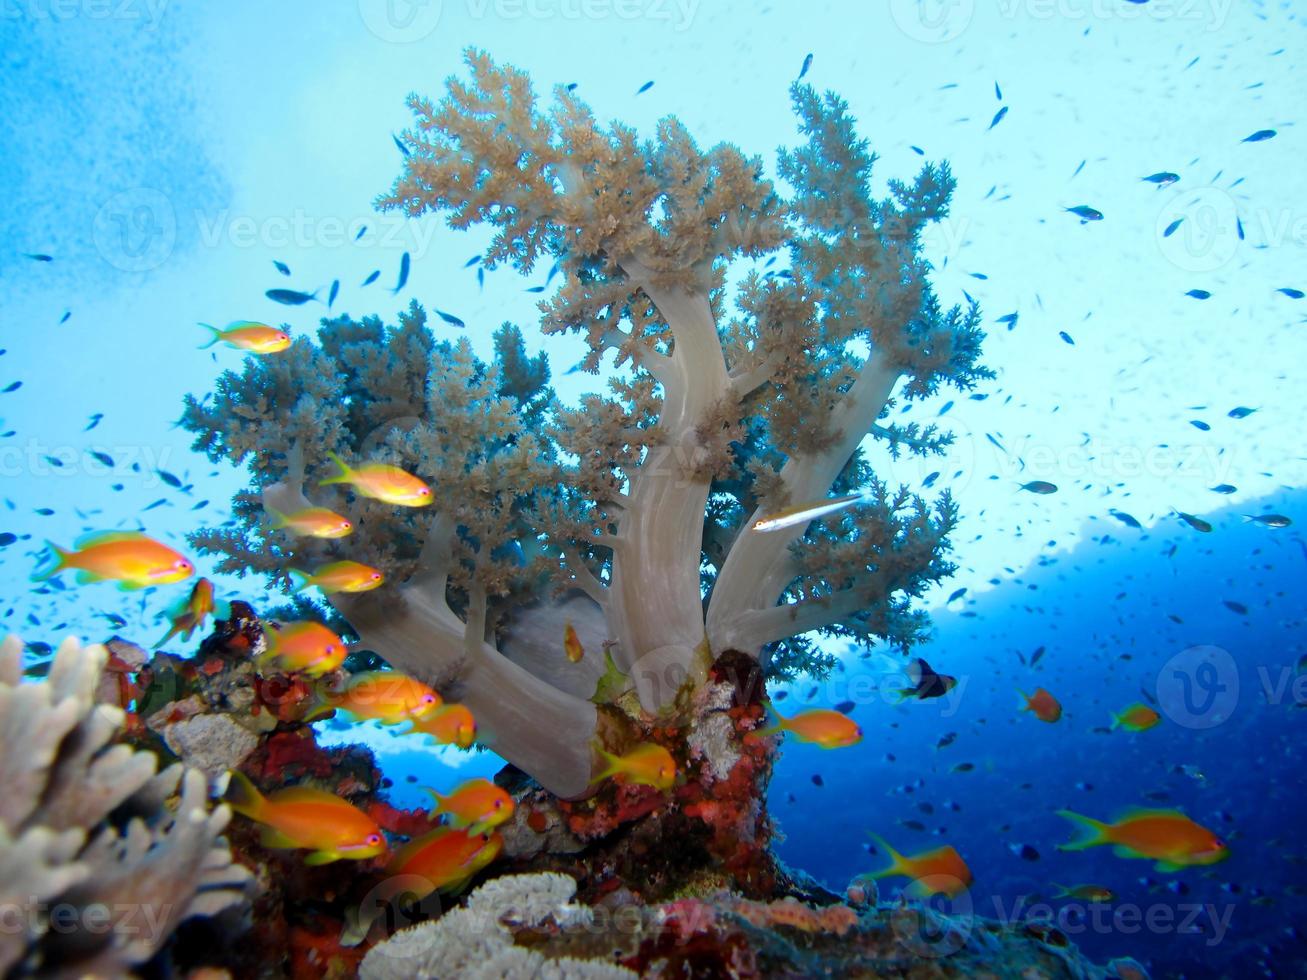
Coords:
pixel 307 647
pixel 648 764
pixel 246 335
pixel 192 612
pixel 444 859
pixel 307 818
pixel 384 695
pixel 451 725
pixel 314 522
pixel 1167 837
pixel 937 872
pixel 572 644
pixel 341 576
pixel 383 482
pixel 477 805
pixel 1044 705
pixel 128 557
pixel 1136 718
pixel 820 726
pixel 1095 894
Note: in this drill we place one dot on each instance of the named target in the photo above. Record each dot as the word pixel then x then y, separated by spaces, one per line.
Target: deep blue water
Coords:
pixel 1103 613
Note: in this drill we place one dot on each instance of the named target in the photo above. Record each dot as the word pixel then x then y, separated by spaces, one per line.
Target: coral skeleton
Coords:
pixel 101 857
pixel 760 338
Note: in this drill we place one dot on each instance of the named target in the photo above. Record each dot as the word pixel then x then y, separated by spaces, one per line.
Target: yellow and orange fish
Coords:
pixel 1094 894
pixel 1044 706
pixel 648 764
pixel 313 522
pixel 477 805
pixel 305 647
pixel 386 696
pixel 1166 837
pixel 572 644
pixel 1138 717
pixel 246 335
pixel 383 482
pixel 309 819
pixel 820 726
pixel 452 724
pixel 443 860
pixel 192 612
pixel 340 576
pixel 940 871
pixel 128 557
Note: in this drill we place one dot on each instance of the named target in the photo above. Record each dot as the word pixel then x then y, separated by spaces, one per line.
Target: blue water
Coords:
pixel 1102 612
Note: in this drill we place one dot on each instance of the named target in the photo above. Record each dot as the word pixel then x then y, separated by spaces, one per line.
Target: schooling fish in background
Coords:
pixel 936 872
pixel 1167 837
pixel 1041 487
pixel 403 273
pixel 820 726
pixel 309 819
pixel 1197 523
pixel 1162 179
pixel 1085 213
pixel 375 275
pixel 1268 520
pixel 1093 894
pixel 190 614
pixel 290 297
pixel 128 557
pixel 331 296
pixel 925 682
pixel 282 267
pixel 477 805
pixel 381 481
pixel 1042 705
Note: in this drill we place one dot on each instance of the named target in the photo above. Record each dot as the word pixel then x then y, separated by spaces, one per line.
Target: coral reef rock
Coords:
pixel 101 856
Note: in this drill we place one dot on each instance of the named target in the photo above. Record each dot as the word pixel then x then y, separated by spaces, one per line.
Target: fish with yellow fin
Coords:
pixel 386 696
pixel 381 481
pixel 444 860
pixel 1139 717
pixel 940 871
pixel 648 764
pixel 1166 837
pixel 477 805
pixel 572 644
pixel 249 336
pixel 820 726
pixel 130 558
pixel 308 819
pixel 340 576
pixel 305 647
pixel 312 522
pixel 451 724
pixel 190 614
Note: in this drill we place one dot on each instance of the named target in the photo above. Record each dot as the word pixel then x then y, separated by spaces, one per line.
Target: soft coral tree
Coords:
pixel 744 392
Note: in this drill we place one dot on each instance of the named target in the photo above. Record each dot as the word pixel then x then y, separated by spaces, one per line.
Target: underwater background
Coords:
pixel 1148 335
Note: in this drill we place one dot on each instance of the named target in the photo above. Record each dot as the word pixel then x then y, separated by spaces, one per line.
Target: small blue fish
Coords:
pixel 474 260
pixel 998 118
pixel 1291 292
pixel 957 594
pixel 39 256
pixel 1085 213
pixel 402 148
pixel 1200 425
pixel 1010 319
pixel 1226 488
pixel 13 387
pixel 1041 487
pixel 1066 337
pixel 1199 294
pixel 807 63
pixel 1162 178
pixel 1260 136
pixel 290 297
pixel 95 420
pixel 1126 519
pixel 331 296
pixel 998 92
pixel 372 278
pixel 361 232
pixel 1170 229
pixel 403 273
pixel 1238 226
pixel 449 318
pixel 644 88
pixel 930 479
pixel 282 267
pixel 1240 412
pixel 1197 523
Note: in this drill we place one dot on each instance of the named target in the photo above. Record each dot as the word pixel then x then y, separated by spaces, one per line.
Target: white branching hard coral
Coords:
pixel 762 341
pixel 476 941
pixel 100 856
